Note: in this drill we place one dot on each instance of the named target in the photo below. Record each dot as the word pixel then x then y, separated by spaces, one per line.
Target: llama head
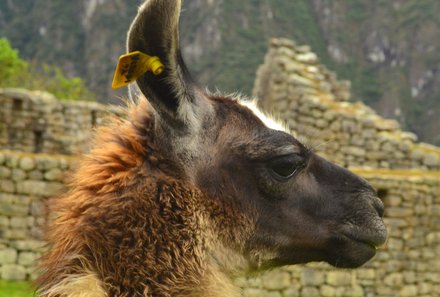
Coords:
pixel 269 200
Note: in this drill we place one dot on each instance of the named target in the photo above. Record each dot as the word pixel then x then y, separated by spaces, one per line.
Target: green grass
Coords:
pixel 16 289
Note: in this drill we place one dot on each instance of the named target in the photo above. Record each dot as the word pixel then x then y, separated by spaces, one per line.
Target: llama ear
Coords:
pixel 155 31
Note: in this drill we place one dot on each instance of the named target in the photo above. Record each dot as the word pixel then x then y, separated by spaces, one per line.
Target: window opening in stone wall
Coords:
pixel 382 194
pixel 17 105
pixel 12 136
pixel 38 141
pixel 94 118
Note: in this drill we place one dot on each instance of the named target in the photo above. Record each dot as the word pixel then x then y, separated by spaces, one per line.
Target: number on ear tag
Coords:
pixel 132 65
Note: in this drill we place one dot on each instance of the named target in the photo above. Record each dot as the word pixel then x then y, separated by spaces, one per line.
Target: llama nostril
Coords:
pixel 378 205
pixel 381 197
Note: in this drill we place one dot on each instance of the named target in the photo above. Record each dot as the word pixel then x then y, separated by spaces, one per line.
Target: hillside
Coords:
pixel 388 49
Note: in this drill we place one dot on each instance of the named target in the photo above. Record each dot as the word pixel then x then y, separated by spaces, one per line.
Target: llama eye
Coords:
pixel 283 168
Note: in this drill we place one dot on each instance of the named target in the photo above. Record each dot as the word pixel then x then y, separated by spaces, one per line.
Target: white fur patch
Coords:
pixel 266 119
pixel 86 285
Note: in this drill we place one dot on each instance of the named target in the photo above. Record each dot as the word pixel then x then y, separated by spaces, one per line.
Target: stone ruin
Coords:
pixel 40 138
pixel 37 122
pixel 314 104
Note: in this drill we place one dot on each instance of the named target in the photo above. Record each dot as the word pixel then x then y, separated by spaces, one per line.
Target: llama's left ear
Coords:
pixel 155 32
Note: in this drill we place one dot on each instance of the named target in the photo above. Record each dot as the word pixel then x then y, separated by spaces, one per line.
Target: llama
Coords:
pixel 191 189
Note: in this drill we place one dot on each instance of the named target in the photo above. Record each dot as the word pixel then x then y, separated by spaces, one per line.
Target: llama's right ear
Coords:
pixel 155 32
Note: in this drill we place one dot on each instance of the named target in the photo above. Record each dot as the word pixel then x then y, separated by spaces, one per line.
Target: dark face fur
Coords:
pixel 302 207
pixel 276 202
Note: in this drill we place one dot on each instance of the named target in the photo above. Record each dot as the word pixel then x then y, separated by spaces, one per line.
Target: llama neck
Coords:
pixel 155 241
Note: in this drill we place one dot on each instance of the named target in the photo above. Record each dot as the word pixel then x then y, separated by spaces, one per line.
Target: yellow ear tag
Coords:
pixel 131 66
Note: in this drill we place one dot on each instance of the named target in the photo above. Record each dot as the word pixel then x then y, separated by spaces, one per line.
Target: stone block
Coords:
pixel 393 279
pixel 366 274
pixel 27 258
pixel 409 277
pixel 35 175
pixel 8 256
pixel 273 294
pixel 398 212
pixel 36 233
pixel 54 175
pixel 354 291
pixel 312 277
pixel 349 126
pixel 396 223
pixel 241 282
pixel 12 161
pixel 329 115
pixel 327 291
pixel 47 163
pixel 21 199
pixel 15 234
pixel 18 222
pixel 30 221
pixel 9 209
pixel 408 291
pixel 18 174
pixel 431 160
pixel 38 209
pixel 355 151
pixel 251 292
pixel 320 123
pixel 253 282
pixel 385 291
pixel 310 292
pixel 7 186
pixel 39 188
pixel 32 187
pixel 424 288
pixel 433 238
pixel 276 280
pixel 28 245
pixel 13 272
pixel 339 278
pixel 292 291
pixel 335 126
pixel 27 163
pixel 4 222
pixel 32 272
pixel 5 172
pixel 39 222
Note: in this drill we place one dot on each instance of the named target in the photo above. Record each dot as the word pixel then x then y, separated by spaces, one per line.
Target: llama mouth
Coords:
pixel 369 243
pixel 373 238
pixel 355 245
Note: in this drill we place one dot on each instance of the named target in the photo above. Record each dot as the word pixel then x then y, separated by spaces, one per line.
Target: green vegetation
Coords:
pixel 415 12
pixel 245 30
pixel 10 63
pixel 17 73
pixel 15 289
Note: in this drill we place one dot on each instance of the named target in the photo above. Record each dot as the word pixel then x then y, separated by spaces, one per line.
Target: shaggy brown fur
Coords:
pixel 133 220
pixel 128 213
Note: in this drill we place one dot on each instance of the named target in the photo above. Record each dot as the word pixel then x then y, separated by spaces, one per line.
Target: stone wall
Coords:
pixel 37 122
pixel 313 103
pixel 26 181
pixel 310 100
pixel 406 266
